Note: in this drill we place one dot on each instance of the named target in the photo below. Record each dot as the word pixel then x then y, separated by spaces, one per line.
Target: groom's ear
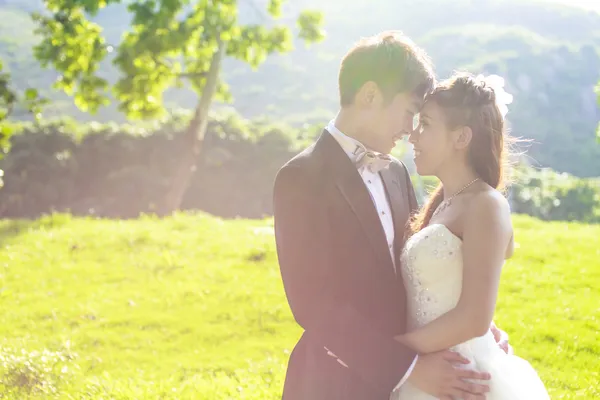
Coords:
pixel 462 137
pixel 367 96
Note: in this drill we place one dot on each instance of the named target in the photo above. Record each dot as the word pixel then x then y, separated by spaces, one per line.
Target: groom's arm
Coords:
pixel 301 232
pixel 501 338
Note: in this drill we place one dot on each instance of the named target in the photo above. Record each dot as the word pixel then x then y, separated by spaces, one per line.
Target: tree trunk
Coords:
pixel 194 138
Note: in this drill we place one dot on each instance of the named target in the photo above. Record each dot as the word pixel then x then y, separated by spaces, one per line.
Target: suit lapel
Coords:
pixel 353 189
pixel 398 204
pixel 396 199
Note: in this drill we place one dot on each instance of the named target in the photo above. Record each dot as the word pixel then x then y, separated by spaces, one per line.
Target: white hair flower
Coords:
pixel 503 98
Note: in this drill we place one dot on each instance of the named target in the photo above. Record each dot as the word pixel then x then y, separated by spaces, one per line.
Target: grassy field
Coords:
pixel 192 307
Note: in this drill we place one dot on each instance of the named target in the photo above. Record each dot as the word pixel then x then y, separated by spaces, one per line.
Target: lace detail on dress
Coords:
pixel 432 272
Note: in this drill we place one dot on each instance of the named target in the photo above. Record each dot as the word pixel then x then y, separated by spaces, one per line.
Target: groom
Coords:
pixel 340 208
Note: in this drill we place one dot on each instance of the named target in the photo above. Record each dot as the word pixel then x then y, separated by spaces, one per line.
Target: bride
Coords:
pixel 457 244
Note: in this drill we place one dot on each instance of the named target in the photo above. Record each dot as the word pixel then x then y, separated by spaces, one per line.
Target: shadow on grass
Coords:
pixel 10 229
pixel 13 228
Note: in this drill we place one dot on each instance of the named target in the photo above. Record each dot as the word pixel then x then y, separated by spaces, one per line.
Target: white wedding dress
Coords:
pixel 432 272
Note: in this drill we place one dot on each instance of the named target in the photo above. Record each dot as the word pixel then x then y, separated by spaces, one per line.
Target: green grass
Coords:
pixel 192 307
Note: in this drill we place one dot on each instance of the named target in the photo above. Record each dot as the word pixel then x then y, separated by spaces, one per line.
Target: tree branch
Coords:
pixel 191 75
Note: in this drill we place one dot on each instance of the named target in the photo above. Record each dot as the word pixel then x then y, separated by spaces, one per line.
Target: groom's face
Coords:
pixel 389 121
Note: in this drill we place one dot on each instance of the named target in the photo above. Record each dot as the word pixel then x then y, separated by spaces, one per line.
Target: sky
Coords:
pixel 588 4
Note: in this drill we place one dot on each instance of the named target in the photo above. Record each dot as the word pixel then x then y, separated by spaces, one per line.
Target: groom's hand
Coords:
pixel 501 338
pixel 440 375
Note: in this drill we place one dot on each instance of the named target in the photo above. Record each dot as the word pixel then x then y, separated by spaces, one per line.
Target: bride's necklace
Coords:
pixel 446 203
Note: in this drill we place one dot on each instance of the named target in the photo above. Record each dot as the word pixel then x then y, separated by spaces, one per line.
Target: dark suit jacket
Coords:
pixel 339 277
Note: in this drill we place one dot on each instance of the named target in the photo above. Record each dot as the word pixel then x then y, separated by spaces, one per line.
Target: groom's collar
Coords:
pixel 351 146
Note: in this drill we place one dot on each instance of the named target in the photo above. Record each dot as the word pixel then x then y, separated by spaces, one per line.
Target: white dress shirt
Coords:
pixel 374 185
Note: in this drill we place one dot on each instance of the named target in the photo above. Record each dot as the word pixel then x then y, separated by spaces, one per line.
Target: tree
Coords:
pixel 170 42
pixel 9 100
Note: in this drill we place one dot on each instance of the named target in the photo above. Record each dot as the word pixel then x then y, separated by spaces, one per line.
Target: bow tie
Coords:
pixel 374 162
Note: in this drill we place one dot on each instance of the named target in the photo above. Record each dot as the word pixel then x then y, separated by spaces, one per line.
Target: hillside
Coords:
pixel 192 307
pixel 548 53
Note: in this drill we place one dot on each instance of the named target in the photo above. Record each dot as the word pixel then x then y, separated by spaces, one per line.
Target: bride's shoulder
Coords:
pixel 489 218
pixel 490 197
pixel 489 205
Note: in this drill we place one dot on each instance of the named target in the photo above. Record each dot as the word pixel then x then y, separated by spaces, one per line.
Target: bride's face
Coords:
pixel 434 143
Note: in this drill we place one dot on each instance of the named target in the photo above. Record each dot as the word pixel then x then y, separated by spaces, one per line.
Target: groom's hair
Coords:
pixel 389 59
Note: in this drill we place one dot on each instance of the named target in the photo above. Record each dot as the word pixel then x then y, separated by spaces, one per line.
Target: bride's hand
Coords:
pixel 501 338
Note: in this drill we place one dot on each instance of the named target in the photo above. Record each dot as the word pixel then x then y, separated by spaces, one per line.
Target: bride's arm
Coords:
pixel 487 233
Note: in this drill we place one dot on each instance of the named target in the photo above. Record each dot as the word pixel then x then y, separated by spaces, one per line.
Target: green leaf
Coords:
pixel 31 94
pixel 6 131
pixel 309 23
pixel 274 8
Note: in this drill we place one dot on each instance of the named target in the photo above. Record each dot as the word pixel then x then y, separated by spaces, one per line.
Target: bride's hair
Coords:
pixel 466 101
